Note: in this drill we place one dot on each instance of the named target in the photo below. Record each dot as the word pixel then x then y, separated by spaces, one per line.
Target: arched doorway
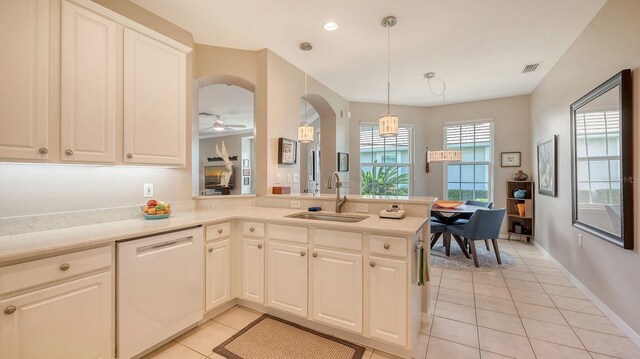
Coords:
pixel 225 114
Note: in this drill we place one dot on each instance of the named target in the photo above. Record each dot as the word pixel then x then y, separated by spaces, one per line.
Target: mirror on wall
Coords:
pixel 226 115
pixel 602 161
pixel 310 153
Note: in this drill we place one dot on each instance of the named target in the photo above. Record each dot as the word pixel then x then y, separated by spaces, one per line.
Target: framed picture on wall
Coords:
pixel 245 181
pixel 246 172
pixel 287 151
pixel 547 167
pixel 311 166
pixel 245 163
pixel 510 159
pixel 343 162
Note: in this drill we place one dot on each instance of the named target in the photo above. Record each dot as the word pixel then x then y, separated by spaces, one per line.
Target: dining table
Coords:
pixel 449 216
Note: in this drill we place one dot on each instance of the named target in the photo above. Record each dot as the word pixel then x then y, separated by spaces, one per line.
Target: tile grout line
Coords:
pixel 521 322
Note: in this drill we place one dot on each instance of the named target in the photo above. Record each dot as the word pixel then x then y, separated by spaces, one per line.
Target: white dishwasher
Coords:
pixel 160 291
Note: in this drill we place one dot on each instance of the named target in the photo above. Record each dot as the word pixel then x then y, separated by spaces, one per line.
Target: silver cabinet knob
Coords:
pixel 220 230
pixel 387 246
pixel 10 310
pixel 65 267
pixel 252 229
pixel 372 264
pixel 129 155
pixel 43 151
pixel 314 254
pixel 259 246
pixel 302 253
pixel 68 152
pixel 210 250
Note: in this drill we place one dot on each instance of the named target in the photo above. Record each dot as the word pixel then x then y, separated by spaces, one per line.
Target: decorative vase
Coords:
pixel 520 193
pixel 520 176
pixel 520 208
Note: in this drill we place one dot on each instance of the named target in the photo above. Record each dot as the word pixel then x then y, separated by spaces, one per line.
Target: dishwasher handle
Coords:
pixel 164 245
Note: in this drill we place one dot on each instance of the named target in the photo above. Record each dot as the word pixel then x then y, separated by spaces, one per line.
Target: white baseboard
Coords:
pixel 615 319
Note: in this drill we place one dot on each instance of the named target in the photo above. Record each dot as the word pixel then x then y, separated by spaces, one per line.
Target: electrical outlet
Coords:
pixel 579 240
pixel 278 178
pixel 147 190
pixel 362 207
pixel 289 177
pixel 295 204
pixel 296 178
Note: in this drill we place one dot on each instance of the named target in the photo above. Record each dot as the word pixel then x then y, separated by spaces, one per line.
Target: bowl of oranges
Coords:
pixel 156 210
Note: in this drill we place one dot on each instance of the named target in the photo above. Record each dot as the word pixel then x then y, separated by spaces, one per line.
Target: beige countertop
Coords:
pixel 18 247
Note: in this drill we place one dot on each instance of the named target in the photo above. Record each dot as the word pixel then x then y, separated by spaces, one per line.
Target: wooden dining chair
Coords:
pixel 483 225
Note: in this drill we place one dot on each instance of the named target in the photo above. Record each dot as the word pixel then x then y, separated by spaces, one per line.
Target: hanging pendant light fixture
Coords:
pixel 441 156
pixel 388 123
pixel 305 132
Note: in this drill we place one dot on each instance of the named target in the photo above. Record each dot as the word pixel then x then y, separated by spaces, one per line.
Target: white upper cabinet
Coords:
pixel 337 289
pixel 154 101
pixel 24 79
pixel 88 80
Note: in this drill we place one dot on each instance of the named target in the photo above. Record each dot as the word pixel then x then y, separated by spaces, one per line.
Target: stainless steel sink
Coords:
pixel 333 217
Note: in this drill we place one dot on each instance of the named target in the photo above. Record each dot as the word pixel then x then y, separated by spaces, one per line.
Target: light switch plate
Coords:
pixel 278 178
pixel 296 178
pixel 362 207
pixel 289 177
pixel 147 190
pixel 295 204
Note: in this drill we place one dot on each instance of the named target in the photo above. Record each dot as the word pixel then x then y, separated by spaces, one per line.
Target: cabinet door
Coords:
pixel 24 84
pixel 287 278
pixel 253 270
pixel 70 320
pixel 337 289
pixel 88 80
pixel 154 101
pixel 218 273
pixel 388 300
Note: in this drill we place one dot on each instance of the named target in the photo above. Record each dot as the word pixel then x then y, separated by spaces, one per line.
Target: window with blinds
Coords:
pixel 385 163
pixel 598 157
pixel 471 178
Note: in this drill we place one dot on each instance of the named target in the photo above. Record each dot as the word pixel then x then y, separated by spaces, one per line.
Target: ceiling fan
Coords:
pixel 218 124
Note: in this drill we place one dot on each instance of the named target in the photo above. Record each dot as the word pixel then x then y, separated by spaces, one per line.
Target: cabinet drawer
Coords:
pixel 335 239
pixel 29 274
pixel 253 229
pixel 391 246
pixel 288 233
pixel 216 231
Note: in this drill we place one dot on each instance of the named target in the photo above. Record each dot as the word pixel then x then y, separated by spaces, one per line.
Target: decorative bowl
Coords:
pixel 449 204
pixel 155 216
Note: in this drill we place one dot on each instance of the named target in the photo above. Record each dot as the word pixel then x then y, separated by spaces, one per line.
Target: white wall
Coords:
pixel 607 45
pixel 511 134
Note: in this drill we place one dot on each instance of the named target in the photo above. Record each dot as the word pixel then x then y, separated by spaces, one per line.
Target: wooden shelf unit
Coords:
pixel 513 218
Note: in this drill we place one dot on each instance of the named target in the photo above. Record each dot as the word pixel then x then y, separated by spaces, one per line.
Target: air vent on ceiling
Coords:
pixel 530 68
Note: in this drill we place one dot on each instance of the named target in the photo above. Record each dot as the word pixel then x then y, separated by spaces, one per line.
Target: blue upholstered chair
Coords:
pixel 437 229
pixel 465 217
pixel 483 225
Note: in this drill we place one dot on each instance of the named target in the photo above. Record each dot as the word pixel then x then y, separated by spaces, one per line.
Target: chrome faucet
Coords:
pixel 339 202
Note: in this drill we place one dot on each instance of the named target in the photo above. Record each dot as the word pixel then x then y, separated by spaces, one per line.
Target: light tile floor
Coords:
pixel 529 311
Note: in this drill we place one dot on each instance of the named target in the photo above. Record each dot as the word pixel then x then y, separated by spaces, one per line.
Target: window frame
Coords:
pixel 490 163
pixel 409 165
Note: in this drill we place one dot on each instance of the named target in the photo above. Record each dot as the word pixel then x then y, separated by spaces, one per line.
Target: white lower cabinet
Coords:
pixel 69 320
pixel 218 275
pixel 337 289
pixel 388 300
pixel 253 270
pixel 287 278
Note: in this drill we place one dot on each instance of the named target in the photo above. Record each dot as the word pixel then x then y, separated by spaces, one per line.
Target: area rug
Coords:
pixel 269 337
pixel 457 260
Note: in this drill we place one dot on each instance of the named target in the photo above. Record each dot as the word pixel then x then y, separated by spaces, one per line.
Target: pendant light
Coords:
pixel 388 123
pixel 305 132
pixel 441 156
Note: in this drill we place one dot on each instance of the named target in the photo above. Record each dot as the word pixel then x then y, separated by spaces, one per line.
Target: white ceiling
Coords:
pixel 233 103
pixel 478 47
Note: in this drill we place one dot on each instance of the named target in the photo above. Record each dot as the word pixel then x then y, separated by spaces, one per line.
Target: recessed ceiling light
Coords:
pixel 330 26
